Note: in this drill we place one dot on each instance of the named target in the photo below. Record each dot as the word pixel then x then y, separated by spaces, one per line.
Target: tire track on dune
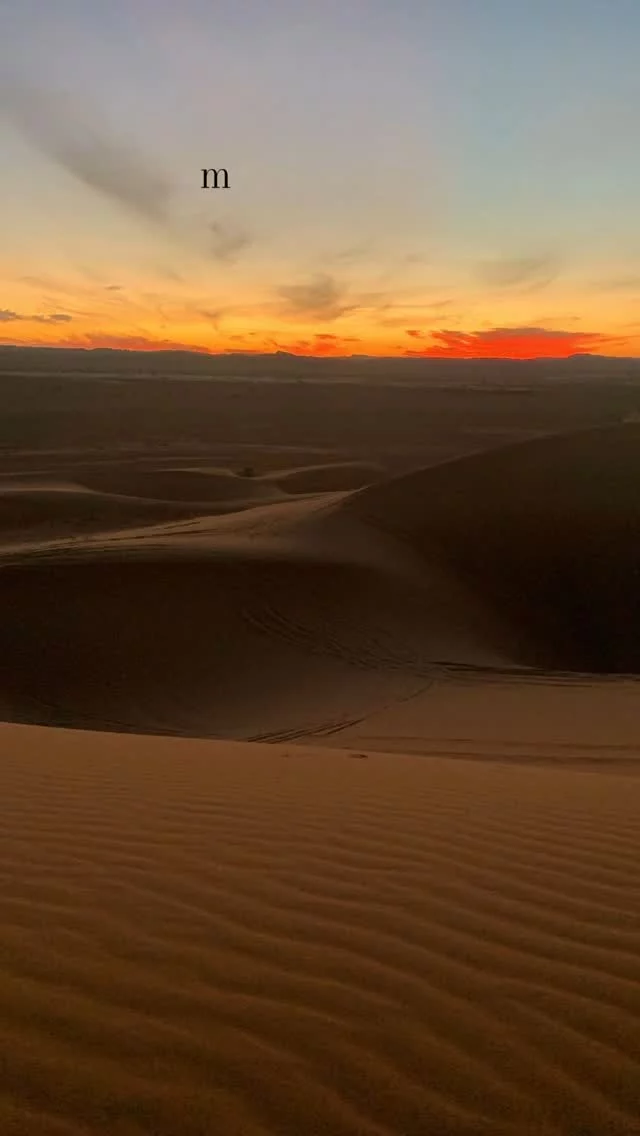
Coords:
pixel 333 728
pixel 314 637
pixel 532 675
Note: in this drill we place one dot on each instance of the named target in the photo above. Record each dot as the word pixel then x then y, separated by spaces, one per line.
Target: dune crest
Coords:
pixel 199 485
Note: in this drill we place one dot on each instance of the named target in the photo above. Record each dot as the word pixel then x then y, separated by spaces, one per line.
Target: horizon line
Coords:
pixel 413 358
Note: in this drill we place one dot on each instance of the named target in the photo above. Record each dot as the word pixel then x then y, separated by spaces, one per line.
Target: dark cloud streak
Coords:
pixel 53 123
pixel 227 242
pixel 322 298
pixel 9 316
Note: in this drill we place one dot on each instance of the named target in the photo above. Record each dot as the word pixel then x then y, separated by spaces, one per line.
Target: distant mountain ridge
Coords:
pixel 282 364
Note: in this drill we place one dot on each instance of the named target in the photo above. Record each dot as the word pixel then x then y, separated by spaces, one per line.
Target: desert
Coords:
pixel 319 568
pixel 319 758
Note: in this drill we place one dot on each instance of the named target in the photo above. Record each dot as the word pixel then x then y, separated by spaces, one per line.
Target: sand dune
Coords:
pixel 205 937
pixel 562 720
pixel 46 511
pixel 232 644
pixel 308 616
pixel 116 496
pixel 204 483
pixel 416 912
pixel 182 484
pixel 328 477
pixel 547 531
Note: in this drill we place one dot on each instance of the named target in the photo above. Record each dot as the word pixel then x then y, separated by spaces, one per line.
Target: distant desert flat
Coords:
pixel 320 797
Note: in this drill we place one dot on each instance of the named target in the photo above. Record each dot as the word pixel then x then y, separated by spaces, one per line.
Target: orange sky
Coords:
pixel 224 308
pixel 498 342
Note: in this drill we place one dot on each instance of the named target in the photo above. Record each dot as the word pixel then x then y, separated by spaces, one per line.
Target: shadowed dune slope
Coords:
pixel 546 531
pixel 234 643
pixel 54 511
pixel 213 938
pixel 182 484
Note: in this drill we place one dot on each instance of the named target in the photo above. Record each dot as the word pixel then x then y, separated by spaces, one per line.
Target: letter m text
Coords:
pixel 215 179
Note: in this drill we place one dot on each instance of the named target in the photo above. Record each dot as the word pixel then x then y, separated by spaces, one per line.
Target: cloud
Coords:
pixel 352 253
pixel 320 344
pixel 47 284
pixel 55 124
pixel 8 316
pixel 169 273
pixel 511 343
pixel 227 242
pixel 322 298
pixel 130 343
pixel 213 315
pixel 377 301
pixel 426 314
pixel 513 272
pixel 621 284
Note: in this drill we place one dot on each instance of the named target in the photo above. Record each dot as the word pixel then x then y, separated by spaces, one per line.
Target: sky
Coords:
pixel 406 177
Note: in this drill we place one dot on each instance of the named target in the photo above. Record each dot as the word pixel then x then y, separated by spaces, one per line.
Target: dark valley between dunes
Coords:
pixel 526 556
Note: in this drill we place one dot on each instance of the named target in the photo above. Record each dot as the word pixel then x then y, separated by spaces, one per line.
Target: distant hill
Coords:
pixel 285 366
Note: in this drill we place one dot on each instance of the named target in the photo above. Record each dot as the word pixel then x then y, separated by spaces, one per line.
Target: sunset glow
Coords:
pixel 468 226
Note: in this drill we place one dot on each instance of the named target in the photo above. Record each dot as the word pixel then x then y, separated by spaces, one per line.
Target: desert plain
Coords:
pixel 320 741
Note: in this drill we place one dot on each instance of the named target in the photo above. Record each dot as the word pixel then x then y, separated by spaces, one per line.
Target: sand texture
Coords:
pixel 210 936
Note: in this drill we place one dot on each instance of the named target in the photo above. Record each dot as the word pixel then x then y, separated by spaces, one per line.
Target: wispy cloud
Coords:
pixel 227 241
pixel 512 343
pixel 320 344
pixel 78 143
pixel 130 343
pixel 426 314
pixel 352 253
pixel 518 272
pixel 168 273
pixel 48 284
pixel 9 316
pixel 321 298
pixel 213 315
pixel 629 283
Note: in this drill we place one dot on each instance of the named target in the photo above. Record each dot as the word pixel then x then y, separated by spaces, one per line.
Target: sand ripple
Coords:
pixel 206 937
